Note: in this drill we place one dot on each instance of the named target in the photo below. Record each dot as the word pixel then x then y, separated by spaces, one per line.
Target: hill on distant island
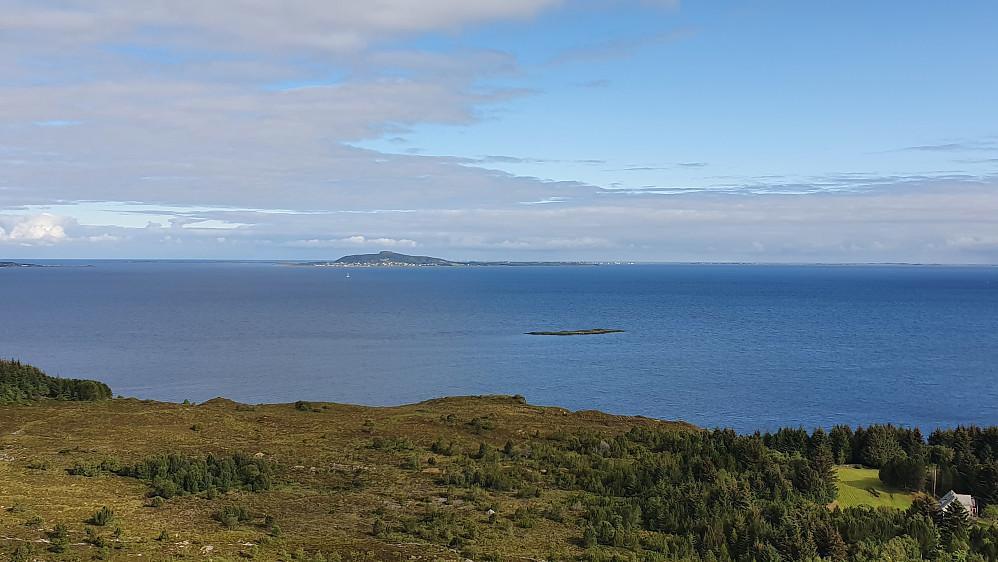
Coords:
pixel 387 258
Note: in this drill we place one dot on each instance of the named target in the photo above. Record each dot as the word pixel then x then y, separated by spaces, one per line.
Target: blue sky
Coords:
pixel 528 129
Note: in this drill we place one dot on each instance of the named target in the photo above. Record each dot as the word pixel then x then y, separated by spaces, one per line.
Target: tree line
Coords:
pixel 962 459
pixel 20 383
pixel 716 495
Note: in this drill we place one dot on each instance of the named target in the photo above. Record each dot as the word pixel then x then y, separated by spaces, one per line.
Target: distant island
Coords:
pixel 594 331
pixel 393 259
pixel 19 264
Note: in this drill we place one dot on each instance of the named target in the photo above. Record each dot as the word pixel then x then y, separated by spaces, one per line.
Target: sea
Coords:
pixel 750 347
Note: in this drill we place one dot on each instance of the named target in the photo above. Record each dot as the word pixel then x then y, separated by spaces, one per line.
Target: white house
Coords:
pixel 967 500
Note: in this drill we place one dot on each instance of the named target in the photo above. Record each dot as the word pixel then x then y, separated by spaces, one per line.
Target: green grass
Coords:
pixel 855 485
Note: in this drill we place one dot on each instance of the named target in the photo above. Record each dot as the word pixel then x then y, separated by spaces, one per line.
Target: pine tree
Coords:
pixel 955 521
pixel 924 531
pixel 923 504
pixel 797 543
pixel 829 542
pixel 589 537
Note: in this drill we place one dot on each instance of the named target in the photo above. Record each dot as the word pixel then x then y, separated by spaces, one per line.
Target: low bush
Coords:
pixel 102 517
pixel 231 516
pixel 174 474
pixel 94 467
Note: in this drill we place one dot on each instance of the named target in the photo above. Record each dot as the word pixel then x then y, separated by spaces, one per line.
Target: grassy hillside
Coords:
pixel 481 478
pixel 340 469
pixel 855 485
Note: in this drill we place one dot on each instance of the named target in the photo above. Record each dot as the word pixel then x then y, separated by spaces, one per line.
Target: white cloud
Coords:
pixel 984 243
pixel 206 132
pixel 336 26
pixel 380 242
pixel 47 229
pixel 32 230
pixel 545 243
pixel 103 238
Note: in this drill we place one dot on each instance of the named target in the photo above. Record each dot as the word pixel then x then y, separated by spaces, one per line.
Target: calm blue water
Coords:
pixel 716 345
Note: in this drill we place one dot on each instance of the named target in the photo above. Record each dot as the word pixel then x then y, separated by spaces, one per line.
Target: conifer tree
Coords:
pixel 955 521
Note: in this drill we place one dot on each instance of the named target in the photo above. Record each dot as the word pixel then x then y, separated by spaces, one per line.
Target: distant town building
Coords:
pixel 967 500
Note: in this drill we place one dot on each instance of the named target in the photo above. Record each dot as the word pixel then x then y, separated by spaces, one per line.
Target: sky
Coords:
pixel 591 130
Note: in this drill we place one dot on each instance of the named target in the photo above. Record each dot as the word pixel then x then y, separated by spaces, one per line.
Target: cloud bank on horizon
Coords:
pixel 641 130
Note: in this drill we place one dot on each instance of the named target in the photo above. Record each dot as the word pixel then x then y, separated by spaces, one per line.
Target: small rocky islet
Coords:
pixel 590 332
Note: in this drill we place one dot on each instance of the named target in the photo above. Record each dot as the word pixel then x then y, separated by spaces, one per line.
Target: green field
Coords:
pixel 855 485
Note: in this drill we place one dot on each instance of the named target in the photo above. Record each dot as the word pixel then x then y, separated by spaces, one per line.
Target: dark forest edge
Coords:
pixel 21 383
pixel 649 493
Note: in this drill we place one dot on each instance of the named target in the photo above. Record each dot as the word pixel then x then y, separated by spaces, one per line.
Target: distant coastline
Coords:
pixel 402 260
pixel 18 264
pixel 393 259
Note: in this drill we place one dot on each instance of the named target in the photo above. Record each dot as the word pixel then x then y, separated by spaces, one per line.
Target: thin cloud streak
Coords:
pixel 620 48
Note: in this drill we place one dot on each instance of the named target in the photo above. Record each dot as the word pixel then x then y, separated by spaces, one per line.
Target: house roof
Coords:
pixel 966 499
